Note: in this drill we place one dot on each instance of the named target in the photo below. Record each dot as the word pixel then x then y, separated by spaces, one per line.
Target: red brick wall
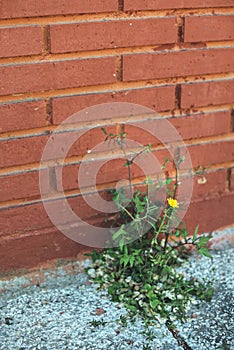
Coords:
pixel 60 56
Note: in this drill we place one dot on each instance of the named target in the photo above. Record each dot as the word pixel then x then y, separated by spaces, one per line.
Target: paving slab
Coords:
pixel 58 308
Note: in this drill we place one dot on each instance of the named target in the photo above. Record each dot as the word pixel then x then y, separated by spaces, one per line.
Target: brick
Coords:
pixel 30 149
pixel 209 184
pixel 211 214
pixel 43 247
pixel 203 125
pixel 21 151
pixel 56 75
pixel 207 93
pixel 157 98
pixel 86 142
pixel 175 64
pixel 232 179
pixel 48 244
pixel 214 28
pixel 23 185
pixel 32 8
pixel 173 4
pixel 20 41
pixel 112 34
pixel 23 219
pixel 31 217
pixel 208 154
pixel 109 171
pixel 22 115
pixel 150 131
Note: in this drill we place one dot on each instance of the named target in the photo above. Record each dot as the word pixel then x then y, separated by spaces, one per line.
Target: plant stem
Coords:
pixel 129 163
pixel 176 180
pixel 160 227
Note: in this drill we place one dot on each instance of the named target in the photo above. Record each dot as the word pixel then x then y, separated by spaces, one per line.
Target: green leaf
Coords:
pixel 195 233
pixel 132 260
pixel 205 252
pixel 104 131
pixel 154 303
pixel 119 233
pixel 168 181
pixel 131 307
pixel 126 260
pixel 203 242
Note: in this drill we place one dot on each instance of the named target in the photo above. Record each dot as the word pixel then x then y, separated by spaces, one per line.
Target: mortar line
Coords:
pixel 53 19
pixel 82 125
pixel 117 86
pixel 109 52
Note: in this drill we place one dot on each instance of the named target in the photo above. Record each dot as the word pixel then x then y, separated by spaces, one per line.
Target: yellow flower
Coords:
pixel 173 202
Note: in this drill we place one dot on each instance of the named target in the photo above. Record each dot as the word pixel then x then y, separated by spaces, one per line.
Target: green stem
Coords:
pixel 160 228
pixel 176 181
pixel 166 241
pixel 126 211
pixel 129 163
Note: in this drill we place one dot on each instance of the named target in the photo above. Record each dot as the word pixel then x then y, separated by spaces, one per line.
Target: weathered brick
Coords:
pixel 110 170
pixel 33 8
pixel 18 151
pixel 49 244
pixel 203 125
pixel 175 64
pixel 56 75
pixel 21 151
pixel 112 34
pixel 209 28
pixel 20 41
pixel 208 185
pixel 43 246
pixel 25 225
pixel 23 185
pixel 22 115
pixel 232 179
pixel 211 214
pixel 157 98
pixel 207 93
pixel 30 217
pixel 173 4
pixel 23 219
pixel 207 154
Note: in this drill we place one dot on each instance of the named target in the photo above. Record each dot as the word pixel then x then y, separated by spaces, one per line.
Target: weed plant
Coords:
pixel 141 274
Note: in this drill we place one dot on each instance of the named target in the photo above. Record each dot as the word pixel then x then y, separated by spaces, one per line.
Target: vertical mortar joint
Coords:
pixel 121 5
pixel 119 68
pixel 47 44
pixel 49 117
pixel 181 25
pixel 232 120
pixel 178 96
pixel 52 180
pixel 229 180
pixel 120 128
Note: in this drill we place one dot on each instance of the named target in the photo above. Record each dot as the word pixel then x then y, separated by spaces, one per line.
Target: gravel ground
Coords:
pixel 60 312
